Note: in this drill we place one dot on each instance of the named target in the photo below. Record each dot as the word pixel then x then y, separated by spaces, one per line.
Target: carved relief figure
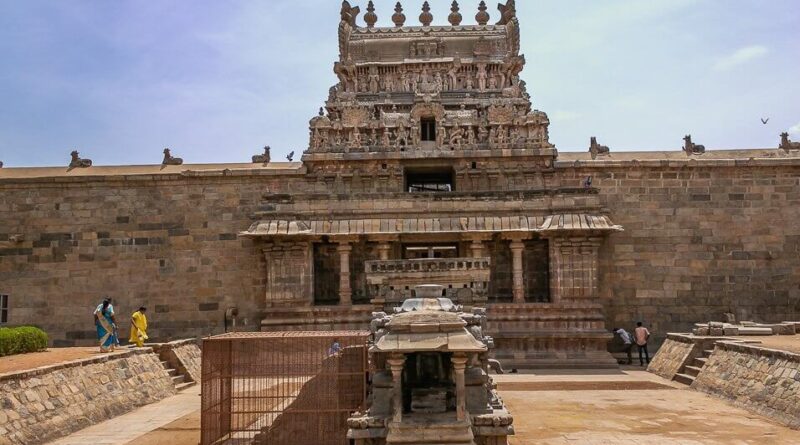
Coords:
pixel 374 79
pixel 481 77
pixel 456 135
pixel 483 134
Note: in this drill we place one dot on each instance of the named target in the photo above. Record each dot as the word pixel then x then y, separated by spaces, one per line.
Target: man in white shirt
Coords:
pixel 627 339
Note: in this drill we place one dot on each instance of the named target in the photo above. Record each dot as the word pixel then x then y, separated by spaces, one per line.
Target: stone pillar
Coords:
pixel 396 363
pixel 383 250
pixel 517 248
pixel 345 292
pixel 459 366
pixel 476 244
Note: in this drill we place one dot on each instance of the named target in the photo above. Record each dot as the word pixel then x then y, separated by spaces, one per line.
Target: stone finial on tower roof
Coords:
pixel 398 17
pixel 426 17
pixel 370 17
pixel 482 17
pixel 455 17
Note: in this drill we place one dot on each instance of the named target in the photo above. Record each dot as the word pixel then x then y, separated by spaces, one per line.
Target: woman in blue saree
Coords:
pixel 106 326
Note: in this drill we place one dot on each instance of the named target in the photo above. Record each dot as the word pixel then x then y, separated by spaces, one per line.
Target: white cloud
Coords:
pixel 795 130
pixel 562 115
pixel 740 57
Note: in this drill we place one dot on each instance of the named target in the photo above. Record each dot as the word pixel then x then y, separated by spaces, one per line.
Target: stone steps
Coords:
pixel 693 371
pixel 181 386
pixel 684 378
pixel 700 361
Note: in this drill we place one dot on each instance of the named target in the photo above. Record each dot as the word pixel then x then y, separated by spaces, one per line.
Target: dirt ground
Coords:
pixel 627 407
pixel 620 410
pixel 184 431
pixel 21 362
pixel 789 343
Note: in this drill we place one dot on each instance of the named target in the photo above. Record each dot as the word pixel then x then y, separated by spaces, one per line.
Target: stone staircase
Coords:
pixel 689 372
pixel 180 380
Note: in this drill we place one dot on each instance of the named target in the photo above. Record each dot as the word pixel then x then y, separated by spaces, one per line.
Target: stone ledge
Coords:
pixel 41 370
pixel 758 350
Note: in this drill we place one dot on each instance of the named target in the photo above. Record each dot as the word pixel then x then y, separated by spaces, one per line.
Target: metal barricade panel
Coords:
pixel 282 387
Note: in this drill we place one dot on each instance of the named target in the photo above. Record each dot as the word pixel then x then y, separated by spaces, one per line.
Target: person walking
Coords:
pixel 106 325
pixel 139 327
pixel 641 334
pixel 627 340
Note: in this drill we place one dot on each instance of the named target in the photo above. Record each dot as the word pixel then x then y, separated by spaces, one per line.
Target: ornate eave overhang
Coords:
pixel 545 225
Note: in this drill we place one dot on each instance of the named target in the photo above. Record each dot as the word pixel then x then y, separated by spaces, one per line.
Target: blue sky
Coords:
pixel 215 80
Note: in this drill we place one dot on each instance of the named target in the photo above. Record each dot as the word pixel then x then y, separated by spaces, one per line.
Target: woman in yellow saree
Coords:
pixel 139 327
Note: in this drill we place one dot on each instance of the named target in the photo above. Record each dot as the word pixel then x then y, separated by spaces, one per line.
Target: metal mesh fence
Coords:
pixel 277 388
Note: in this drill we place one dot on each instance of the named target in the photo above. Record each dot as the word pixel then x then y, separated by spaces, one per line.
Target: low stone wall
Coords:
pixel 183 355
pixel 50 402
pixel 672 355
pixel 764 381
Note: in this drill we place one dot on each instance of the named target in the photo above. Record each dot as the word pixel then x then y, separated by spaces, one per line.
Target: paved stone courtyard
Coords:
pixel 550 408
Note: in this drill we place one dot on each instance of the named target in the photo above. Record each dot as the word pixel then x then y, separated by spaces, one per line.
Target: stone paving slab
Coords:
pixel 123 429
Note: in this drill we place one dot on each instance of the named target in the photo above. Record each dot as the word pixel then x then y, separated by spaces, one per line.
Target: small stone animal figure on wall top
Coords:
pixel 787 144
pixel 262 159
pixel 77 162
pixel 596 149
pixel 691 148
pixel 169 159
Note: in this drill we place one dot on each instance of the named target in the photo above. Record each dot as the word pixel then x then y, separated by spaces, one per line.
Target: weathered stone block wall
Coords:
pixel 673 354
pixel 169 243
pixel 761 380
pixel 701 239
pixel 50 402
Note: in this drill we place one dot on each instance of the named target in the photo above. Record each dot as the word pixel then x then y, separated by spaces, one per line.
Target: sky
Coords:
pixel 216 80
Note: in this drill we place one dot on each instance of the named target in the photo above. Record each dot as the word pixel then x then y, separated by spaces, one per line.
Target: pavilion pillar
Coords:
pixel 384 245
pixel 345 291
pixel 396 362
pixel 459 366
pixel 517 248
pixel 477 246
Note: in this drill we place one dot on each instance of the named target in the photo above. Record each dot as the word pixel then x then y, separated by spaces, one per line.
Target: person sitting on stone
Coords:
pixel 139 327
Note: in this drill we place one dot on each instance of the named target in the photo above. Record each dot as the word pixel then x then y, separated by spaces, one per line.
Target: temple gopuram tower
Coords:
pixel 429 165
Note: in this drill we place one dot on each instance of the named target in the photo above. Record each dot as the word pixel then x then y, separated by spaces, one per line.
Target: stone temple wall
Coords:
pixel 701 238
pixel 761 380
pixel 50 402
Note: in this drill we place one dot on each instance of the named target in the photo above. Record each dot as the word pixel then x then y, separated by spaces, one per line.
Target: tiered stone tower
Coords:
pixel 429 165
